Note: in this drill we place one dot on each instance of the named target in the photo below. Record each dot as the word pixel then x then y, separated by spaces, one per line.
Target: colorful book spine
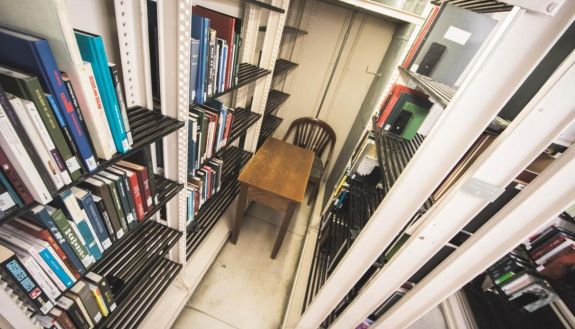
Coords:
pixel 72 237
pixel 14 178
pixel 121 101
pixel 86 203
pixel 99 202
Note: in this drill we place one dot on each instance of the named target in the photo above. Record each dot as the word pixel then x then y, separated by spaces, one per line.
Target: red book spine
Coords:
pixel 14 178
pixel 228 129
pixel 46 236
pixel 547 247
pixel 146 189
pixel 137 195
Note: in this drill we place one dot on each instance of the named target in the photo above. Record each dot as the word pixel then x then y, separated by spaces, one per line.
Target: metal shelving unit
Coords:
pixel 287 29
pixel 283 66
pixel 438 91
pixel 266 6
pixel 275 99
pixel 270 124
pixel 479 6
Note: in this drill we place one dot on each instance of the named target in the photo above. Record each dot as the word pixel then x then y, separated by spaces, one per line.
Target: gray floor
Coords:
pixel 246 289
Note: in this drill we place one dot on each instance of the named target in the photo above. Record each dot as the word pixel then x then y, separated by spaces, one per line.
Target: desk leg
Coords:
pixel 283 229
pixel 241 208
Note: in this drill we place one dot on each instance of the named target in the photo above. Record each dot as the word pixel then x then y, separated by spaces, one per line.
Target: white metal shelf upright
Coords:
pixel 491 82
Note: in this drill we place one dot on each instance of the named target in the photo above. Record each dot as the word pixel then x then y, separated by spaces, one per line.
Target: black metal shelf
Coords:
pixel 243 120
pixel 287 29
pixel 247 73
pixel 283 66
pixel 479 6
pixel 147 126
pixel 275 99
pixel 439 92
pixel 269 125
pixel 266 6
pixel 234 159
pixel 143 296
pixel 209 215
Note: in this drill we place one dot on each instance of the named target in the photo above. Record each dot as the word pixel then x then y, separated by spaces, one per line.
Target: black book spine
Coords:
pixel 106 217
pixel 11 114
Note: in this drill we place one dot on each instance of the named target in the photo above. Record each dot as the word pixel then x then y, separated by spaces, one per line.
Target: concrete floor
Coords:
pixel 246 289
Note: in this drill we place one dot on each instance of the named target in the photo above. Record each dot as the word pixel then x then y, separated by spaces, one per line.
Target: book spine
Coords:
pixel 88 224
pixel 28 285
pixel 65 107
pixel 72 237
pixel 150 172
pixel 14 178
pixel 131 180
pixel 14 148
pixel 121 102
pixel 57 266
pixel 76 109
pixel 41 278
pixel 50 122
pixel 76 216
pixel 87 203
pixel 77 164
pixel 45 235
pixel 543 259
pixel 118 205
pixel 127 199
pixel 99 202
pixel 45 220
pixel 74 313
pixel 99 299
pixel 194 48
pixel 8 197
pixel 211 62
pixel 547 247
pixel 123 194
pixel 47 141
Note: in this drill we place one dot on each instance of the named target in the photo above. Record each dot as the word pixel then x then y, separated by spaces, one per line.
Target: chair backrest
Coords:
pixel 312 134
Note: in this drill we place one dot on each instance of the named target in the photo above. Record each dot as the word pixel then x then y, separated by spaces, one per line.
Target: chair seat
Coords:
pixel 316 169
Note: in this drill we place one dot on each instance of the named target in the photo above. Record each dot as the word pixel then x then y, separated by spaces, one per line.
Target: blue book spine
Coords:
pixel 10 190
pixel 92 50
pixel 190 207
pixel 44 219
pixel 55 266
pixel 194 50
pixel 191 148
pixel 223 66
pixel 87 203
pixel 200 31
pixel 89 239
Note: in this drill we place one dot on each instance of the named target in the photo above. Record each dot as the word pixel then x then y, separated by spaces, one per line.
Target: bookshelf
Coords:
pixel 407 173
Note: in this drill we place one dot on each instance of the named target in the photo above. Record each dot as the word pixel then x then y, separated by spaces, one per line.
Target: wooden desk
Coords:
pixel 276 176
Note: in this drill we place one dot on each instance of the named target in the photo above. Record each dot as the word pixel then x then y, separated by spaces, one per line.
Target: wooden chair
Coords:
pixel 314 135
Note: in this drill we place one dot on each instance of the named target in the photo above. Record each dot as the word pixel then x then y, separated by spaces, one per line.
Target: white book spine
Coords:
pixel 32 132
pixel 43 281
pixel 45 137
pixel 31 250
pixel 14 149
pixel 93 110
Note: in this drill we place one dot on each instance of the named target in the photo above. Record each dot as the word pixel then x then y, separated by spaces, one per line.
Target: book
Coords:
pixel 92 50
pixel 62 318
pixel 33 55
pixel 144 158
pixel 407 100
pixel 121 101
pixel 14 271
pixel 101 206
pixel 84 230
pixel 391 100
pixel 42 218
pixel 135 190
pixel 33 135
pixel 12 199
pixel 82 311
pixel 143 181
pixel 211 63
pixel 43 234
pixel 12 145
pixel 123 195
pixel 36 272
pixel 82 290
pixel 14 179
pixel 192 143
pixel 28 87
pixel 194 52
pixel 127 187
pixel 86 203
pixel 200 27
pixel 225 28
pixel 101 189
pixel 102 307
pixel 117 205
pixel 73 311
pixel 104 288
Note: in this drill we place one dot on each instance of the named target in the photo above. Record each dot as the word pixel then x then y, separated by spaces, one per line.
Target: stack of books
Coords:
pixel 214 53
pixel 209 129
pixel 48 252
pixel 201 187
pixel 403 111
pixel 55 125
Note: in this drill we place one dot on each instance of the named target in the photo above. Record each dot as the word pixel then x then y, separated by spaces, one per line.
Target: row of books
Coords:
pixel 58 243
pixel 81 307
pixel 210 126
pixel 403 111
pixel 55 125
pixel 201 187
pixel 214 53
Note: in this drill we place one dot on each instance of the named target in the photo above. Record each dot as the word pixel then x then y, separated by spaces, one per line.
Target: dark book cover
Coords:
pixel 82 290
pixel 135 191
pixel 11 174
pixel 127 186
pixel 62 317
pixel 121 102
pixel 115 196
pixel 86 202
pixel 75 313
pixel 101 189
pixel 122 193
pixel 143 182
pixel 101 206
pixel 104 287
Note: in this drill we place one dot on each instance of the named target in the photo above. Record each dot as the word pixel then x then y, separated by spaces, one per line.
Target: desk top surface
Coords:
pixel 279 168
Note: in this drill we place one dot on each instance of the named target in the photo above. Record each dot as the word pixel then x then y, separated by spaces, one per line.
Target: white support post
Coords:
pixel 492 81
pixel 552 193
pixel 270 49
pixel 545 7
pixel 13 313
pixel 132 25
pixel 250 28
pixel 174 31
pixel 540 122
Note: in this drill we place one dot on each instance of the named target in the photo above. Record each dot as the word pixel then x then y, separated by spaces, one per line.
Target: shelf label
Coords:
pixel 482 189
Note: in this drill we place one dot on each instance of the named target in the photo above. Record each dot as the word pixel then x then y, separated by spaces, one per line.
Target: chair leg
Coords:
pixel 313 193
